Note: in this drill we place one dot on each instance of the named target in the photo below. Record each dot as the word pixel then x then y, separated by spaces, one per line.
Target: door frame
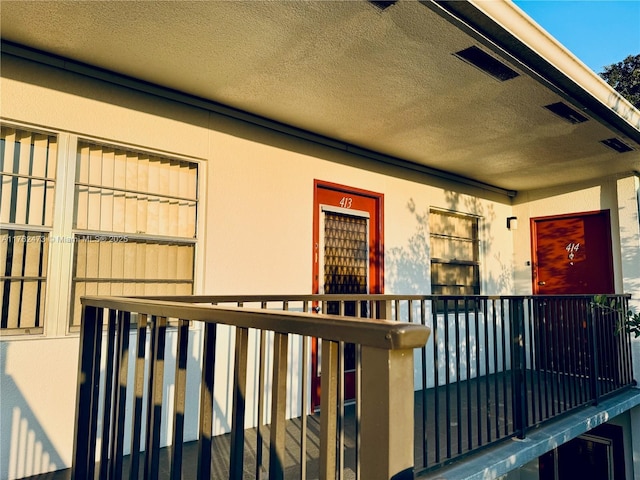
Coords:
pixel 376 231
pixel 343 199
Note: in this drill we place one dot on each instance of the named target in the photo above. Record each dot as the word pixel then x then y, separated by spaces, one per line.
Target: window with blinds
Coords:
pixel 455 247
pixel 27 166
pixel 134 224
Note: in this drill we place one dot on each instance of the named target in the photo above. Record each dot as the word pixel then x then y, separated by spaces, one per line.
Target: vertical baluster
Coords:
pixel 239 404
pixel 477 349
pixel 497 304
pixel 625 345
pixel 575 309
pixel 544 329
pixel 138 387
pixel 551 366
pixel 87 397
pixel 120 404
pixel 593 350
pixel 154 400
pixel 581 363
pixel 608 364
pixel 107 410
pixel 516 315
pixel 487 360
pixel 341 386
pixel 260 419
pixel 179 399
pixel 423 372
pixel 436 378
pixel 503 337
pixel 362 310
pixel 608 328
pixel 563 357
pixel 456 319
pixel 328 395
pixel 447 370
pixel 206 401
pixel 533 381
pixel 305 400
pixel 467 340
pixel 278 407
pixel 585 335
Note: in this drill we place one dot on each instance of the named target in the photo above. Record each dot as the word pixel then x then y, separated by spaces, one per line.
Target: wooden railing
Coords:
pixel 493 368
pixel 386 380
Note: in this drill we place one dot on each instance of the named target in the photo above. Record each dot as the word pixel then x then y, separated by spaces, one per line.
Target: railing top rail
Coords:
pixel 382 334
pixel 350 297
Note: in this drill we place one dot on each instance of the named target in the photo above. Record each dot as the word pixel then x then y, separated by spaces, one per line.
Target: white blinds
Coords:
pixel 129 192
pixel 27 165
pixel 135 223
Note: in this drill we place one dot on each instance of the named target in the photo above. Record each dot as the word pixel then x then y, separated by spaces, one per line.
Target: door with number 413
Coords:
pixel 347 259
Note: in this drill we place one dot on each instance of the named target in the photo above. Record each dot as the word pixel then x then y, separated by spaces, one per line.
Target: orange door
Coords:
pixel 572 254
pixel 347 259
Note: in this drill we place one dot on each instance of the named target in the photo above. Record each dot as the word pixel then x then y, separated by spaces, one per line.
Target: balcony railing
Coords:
pixel 386 355
pixel 493 368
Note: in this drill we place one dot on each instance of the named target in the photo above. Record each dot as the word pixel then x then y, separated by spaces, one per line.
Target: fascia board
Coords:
pixel 520 38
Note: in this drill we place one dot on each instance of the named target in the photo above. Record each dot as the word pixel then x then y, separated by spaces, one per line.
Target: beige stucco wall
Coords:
pixel 573 198
pixel 256 206
pixel 255 219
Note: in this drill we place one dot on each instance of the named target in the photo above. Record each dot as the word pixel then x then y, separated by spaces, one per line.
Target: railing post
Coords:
pixel 387 421
pixel 518 365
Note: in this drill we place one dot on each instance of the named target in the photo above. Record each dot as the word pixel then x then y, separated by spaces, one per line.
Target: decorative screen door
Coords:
pixel 347 260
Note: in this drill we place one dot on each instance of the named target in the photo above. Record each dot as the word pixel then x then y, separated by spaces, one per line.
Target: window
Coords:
pixel 82 218
pixel 134 224
pixel 27 166
pixel 455 267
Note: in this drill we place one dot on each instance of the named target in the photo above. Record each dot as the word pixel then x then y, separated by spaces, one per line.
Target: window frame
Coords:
pixel 42 229
pixel 125 237
pixel 475 264
pixel 59 269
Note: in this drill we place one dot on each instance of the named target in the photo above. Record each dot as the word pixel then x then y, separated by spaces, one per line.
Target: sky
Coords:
pixel 598 32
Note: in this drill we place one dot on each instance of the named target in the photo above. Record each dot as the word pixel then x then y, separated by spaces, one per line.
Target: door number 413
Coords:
pixel 346 202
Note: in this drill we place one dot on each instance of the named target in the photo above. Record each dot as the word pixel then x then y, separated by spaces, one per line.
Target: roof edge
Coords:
pixel 537 51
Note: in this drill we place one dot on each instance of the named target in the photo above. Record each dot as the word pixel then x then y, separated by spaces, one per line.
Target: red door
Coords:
pixel 572 254
pixel 347 259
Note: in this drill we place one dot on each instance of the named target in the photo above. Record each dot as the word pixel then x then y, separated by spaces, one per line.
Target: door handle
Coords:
pixel 542 283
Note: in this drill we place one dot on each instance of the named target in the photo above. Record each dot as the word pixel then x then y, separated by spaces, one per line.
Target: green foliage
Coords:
pixel 630 320
pixel 624 77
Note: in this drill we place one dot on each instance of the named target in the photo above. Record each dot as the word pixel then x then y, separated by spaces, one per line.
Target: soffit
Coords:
pixel 382 80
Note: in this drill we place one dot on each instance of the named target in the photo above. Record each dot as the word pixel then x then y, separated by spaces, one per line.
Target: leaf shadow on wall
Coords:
pixel 408 268
pixel 30 450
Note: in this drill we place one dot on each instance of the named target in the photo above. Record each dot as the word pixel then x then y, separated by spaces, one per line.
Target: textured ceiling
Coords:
pixel 383 80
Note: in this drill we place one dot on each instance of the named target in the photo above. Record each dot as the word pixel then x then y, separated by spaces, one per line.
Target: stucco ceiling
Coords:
pixel 384 80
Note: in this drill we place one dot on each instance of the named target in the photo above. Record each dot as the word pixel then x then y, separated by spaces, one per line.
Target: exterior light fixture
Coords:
pixel 512 223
